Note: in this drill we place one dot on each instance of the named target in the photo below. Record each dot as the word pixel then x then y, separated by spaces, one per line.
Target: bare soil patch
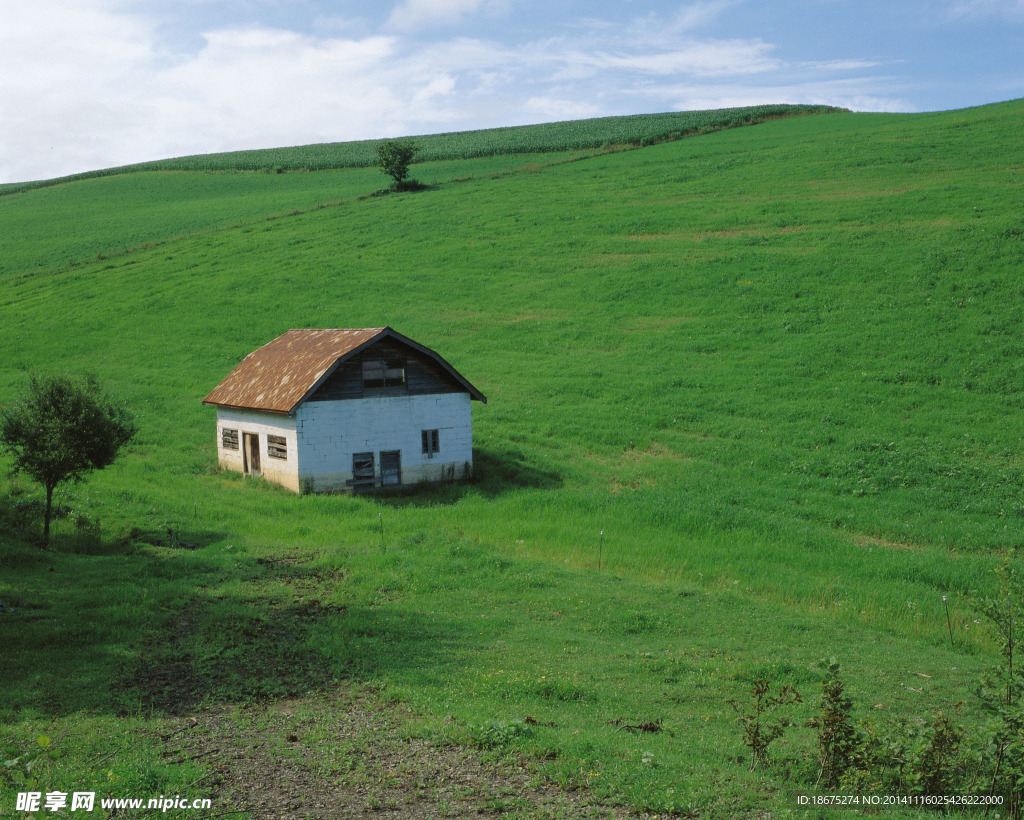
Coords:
pixel 872 541
pixel 346 755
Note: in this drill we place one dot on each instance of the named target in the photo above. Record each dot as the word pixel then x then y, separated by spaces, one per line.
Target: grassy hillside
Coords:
pixel 115 210
pixel 570 135
pixel 779 367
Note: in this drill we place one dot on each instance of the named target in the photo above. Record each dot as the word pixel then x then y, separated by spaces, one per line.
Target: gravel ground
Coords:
pixel 346 755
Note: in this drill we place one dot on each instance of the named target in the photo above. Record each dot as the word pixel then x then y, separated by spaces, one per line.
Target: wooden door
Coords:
pixel 390 468
pixel 362 470
pixel 251 443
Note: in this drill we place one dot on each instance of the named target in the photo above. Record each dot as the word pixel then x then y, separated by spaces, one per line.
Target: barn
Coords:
pixel 329 410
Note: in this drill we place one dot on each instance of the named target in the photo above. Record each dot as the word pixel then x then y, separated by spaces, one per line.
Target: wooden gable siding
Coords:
pixel 422 375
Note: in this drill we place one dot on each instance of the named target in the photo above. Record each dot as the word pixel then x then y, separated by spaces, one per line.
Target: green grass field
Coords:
pixel 570 135
pixel 780 367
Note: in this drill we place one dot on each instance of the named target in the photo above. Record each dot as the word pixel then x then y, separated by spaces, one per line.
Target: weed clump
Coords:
pixel 759 732
pixel 501 733
pixel 926 759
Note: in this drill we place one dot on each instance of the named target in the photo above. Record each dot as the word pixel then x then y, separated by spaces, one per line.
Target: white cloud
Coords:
pixel 90 86
pixel 258 87
pixel 552 107
pixel 696 15
pixel 655 29
pixel 844 94
pixel 71 77
pixel 1012 10
pixel 710 58
pixel 430 96
pixel 415 14
pixel 840 65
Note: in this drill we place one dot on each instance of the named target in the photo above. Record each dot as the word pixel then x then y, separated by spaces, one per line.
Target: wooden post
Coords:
pixel 948 622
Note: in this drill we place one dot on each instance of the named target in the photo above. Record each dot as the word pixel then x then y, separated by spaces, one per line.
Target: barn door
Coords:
pixel 390 468
pixel 251 443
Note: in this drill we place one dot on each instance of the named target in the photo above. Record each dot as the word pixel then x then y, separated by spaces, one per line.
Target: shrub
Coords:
pixel 837 736
pixel 1001 755
pixel 933 764
pixel 758 732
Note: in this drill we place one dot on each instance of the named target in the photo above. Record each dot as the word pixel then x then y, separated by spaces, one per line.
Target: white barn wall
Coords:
pixel 281 471
pixel 329 432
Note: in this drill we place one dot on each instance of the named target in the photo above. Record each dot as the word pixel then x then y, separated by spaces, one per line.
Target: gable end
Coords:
pixel 408 372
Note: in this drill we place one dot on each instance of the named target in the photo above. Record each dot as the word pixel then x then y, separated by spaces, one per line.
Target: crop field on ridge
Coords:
pixel 779 367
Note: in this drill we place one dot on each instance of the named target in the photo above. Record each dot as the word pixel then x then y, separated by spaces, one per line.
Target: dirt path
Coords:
pixel 345 755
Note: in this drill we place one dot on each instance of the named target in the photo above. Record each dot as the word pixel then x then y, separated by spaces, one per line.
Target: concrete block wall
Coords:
pixel 328 433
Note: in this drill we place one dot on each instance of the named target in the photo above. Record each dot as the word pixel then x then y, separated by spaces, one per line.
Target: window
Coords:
pixel 362 469
pixel 229 439
pixel 277 447
pixel 431 441
pixel 381 373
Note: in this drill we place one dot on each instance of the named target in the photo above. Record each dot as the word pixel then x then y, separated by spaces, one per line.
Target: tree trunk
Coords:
pixel 46 516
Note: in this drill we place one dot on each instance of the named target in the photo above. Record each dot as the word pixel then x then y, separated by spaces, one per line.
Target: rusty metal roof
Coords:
pixel 277 377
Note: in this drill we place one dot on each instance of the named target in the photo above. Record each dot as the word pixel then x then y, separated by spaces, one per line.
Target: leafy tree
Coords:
pixel 394 158
pixel 62 429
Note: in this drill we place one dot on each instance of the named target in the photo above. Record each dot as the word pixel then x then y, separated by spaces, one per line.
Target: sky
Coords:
pixel 90 84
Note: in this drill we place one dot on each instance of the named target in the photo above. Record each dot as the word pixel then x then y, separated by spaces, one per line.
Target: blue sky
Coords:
pixel 95 83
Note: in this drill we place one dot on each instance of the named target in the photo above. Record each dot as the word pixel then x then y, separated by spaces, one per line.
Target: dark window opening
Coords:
pixel 362 469
pixel 431 440
pixel 229 439
pixel 277 447
pixel 381 373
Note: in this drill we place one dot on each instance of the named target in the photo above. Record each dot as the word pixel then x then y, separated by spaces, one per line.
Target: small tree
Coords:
pixel 1005 611
pixel 62 429
pixel 394 158
pixel 837 736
